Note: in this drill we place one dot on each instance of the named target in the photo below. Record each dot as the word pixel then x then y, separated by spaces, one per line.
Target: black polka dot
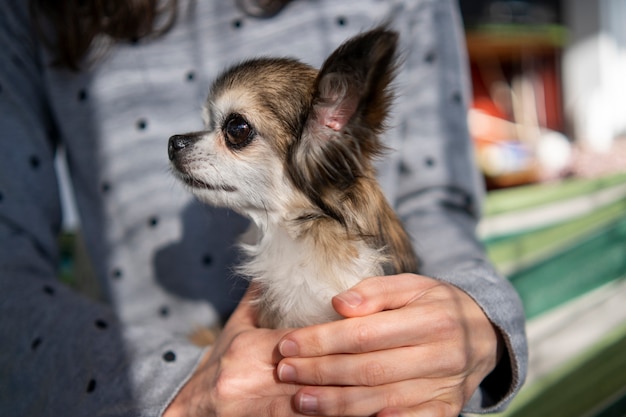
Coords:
pixel 456 97
pixel 48 289
pixel 35 343
pixel 342 21
pixel 91 386
pixel 82 95
pixel 429 161
pixel 191 75
pixel 164 311
pixel 237 23
pixel 117 273
pixel 430 57
pixel 105 187
pixel 142 124
pixel 403 168
pixel 207 260
pixel 101 324
pixel 34 161
pixel 134 40
pixel 169 356
pixel 153 221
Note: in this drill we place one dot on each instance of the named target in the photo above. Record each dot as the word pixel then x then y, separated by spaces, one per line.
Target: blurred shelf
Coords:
pixel 514 41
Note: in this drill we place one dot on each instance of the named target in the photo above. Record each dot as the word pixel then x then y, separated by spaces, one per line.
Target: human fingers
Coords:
pixel 365 401
pixel 375 368
pixel 237 376
pixel 380 293
pixel 429 311
pixel 452 332
pixel 422 322
pixel 242 379
pixel 238 379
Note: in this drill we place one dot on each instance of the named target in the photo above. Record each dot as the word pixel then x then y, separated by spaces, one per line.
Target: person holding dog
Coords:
pixel 109 83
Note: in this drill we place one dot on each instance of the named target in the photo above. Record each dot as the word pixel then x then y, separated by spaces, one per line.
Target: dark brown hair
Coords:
pixel 70 28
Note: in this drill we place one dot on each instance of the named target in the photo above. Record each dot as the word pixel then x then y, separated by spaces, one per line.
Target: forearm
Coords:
pixel 62 354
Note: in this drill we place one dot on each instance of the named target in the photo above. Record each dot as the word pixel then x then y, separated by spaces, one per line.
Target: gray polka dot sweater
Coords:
pixel 163 261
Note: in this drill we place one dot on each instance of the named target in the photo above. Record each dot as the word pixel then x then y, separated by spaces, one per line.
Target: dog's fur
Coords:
pixel 292 148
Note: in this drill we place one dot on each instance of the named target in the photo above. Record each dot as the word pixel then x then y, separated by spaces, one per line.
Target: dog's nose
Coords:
pixel 177 143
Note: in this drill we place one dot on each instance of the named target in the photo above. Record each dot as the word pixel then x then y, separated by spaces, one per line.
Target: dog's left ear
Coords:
pixel 352 87
pixel 351 100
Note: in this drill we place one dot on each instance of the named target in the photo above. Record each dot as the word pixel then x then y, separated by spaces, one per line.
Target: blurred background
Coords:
pixel 548 120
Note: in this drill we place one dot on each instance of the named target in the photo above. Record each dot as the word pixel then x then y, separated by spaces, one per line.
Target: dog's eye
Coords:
pixel 237 131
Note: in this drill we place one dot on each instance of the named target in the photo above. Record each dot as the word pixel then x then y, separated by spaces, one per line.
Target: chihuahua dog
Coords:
pixel 292 148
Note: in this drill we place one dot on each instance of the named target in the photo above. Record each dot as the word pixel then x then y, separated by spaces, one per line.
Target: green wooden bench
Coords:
pixel 558 242
pixel 553 260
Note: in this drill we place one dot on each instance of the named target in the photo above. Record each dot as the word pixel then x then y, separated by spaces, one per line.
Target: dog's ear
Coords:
pixel 353 86
pixel 351 100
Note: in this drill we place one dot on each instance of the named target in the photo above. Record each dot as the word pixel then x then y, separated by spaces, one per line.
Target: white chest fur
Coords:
pixel 298 275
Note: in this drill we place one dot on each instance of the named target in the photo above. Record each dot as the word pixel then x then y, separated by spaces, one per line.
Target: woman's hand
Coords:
pixel 410 346
pixel 237 377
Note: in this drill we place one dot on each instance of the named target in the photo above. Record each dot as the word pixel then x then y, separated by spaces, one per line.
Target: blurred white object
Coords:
pixel 553 152
pixel 594 64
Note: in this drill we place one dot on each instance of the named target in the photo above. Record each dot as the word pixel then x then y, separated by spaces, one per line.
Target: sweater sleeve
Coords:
pixel 60 353
pixel 438 190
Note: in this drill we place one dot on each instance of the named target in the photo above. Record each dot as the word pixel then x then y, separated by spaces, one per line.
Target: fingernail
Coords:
pixel 287 373
pixel 288 348
pixel 308 404
pixel 351 298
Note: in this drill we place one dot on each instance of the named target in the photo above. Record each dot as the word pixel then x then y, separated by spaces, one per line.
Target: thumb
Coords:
pixel 241 320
